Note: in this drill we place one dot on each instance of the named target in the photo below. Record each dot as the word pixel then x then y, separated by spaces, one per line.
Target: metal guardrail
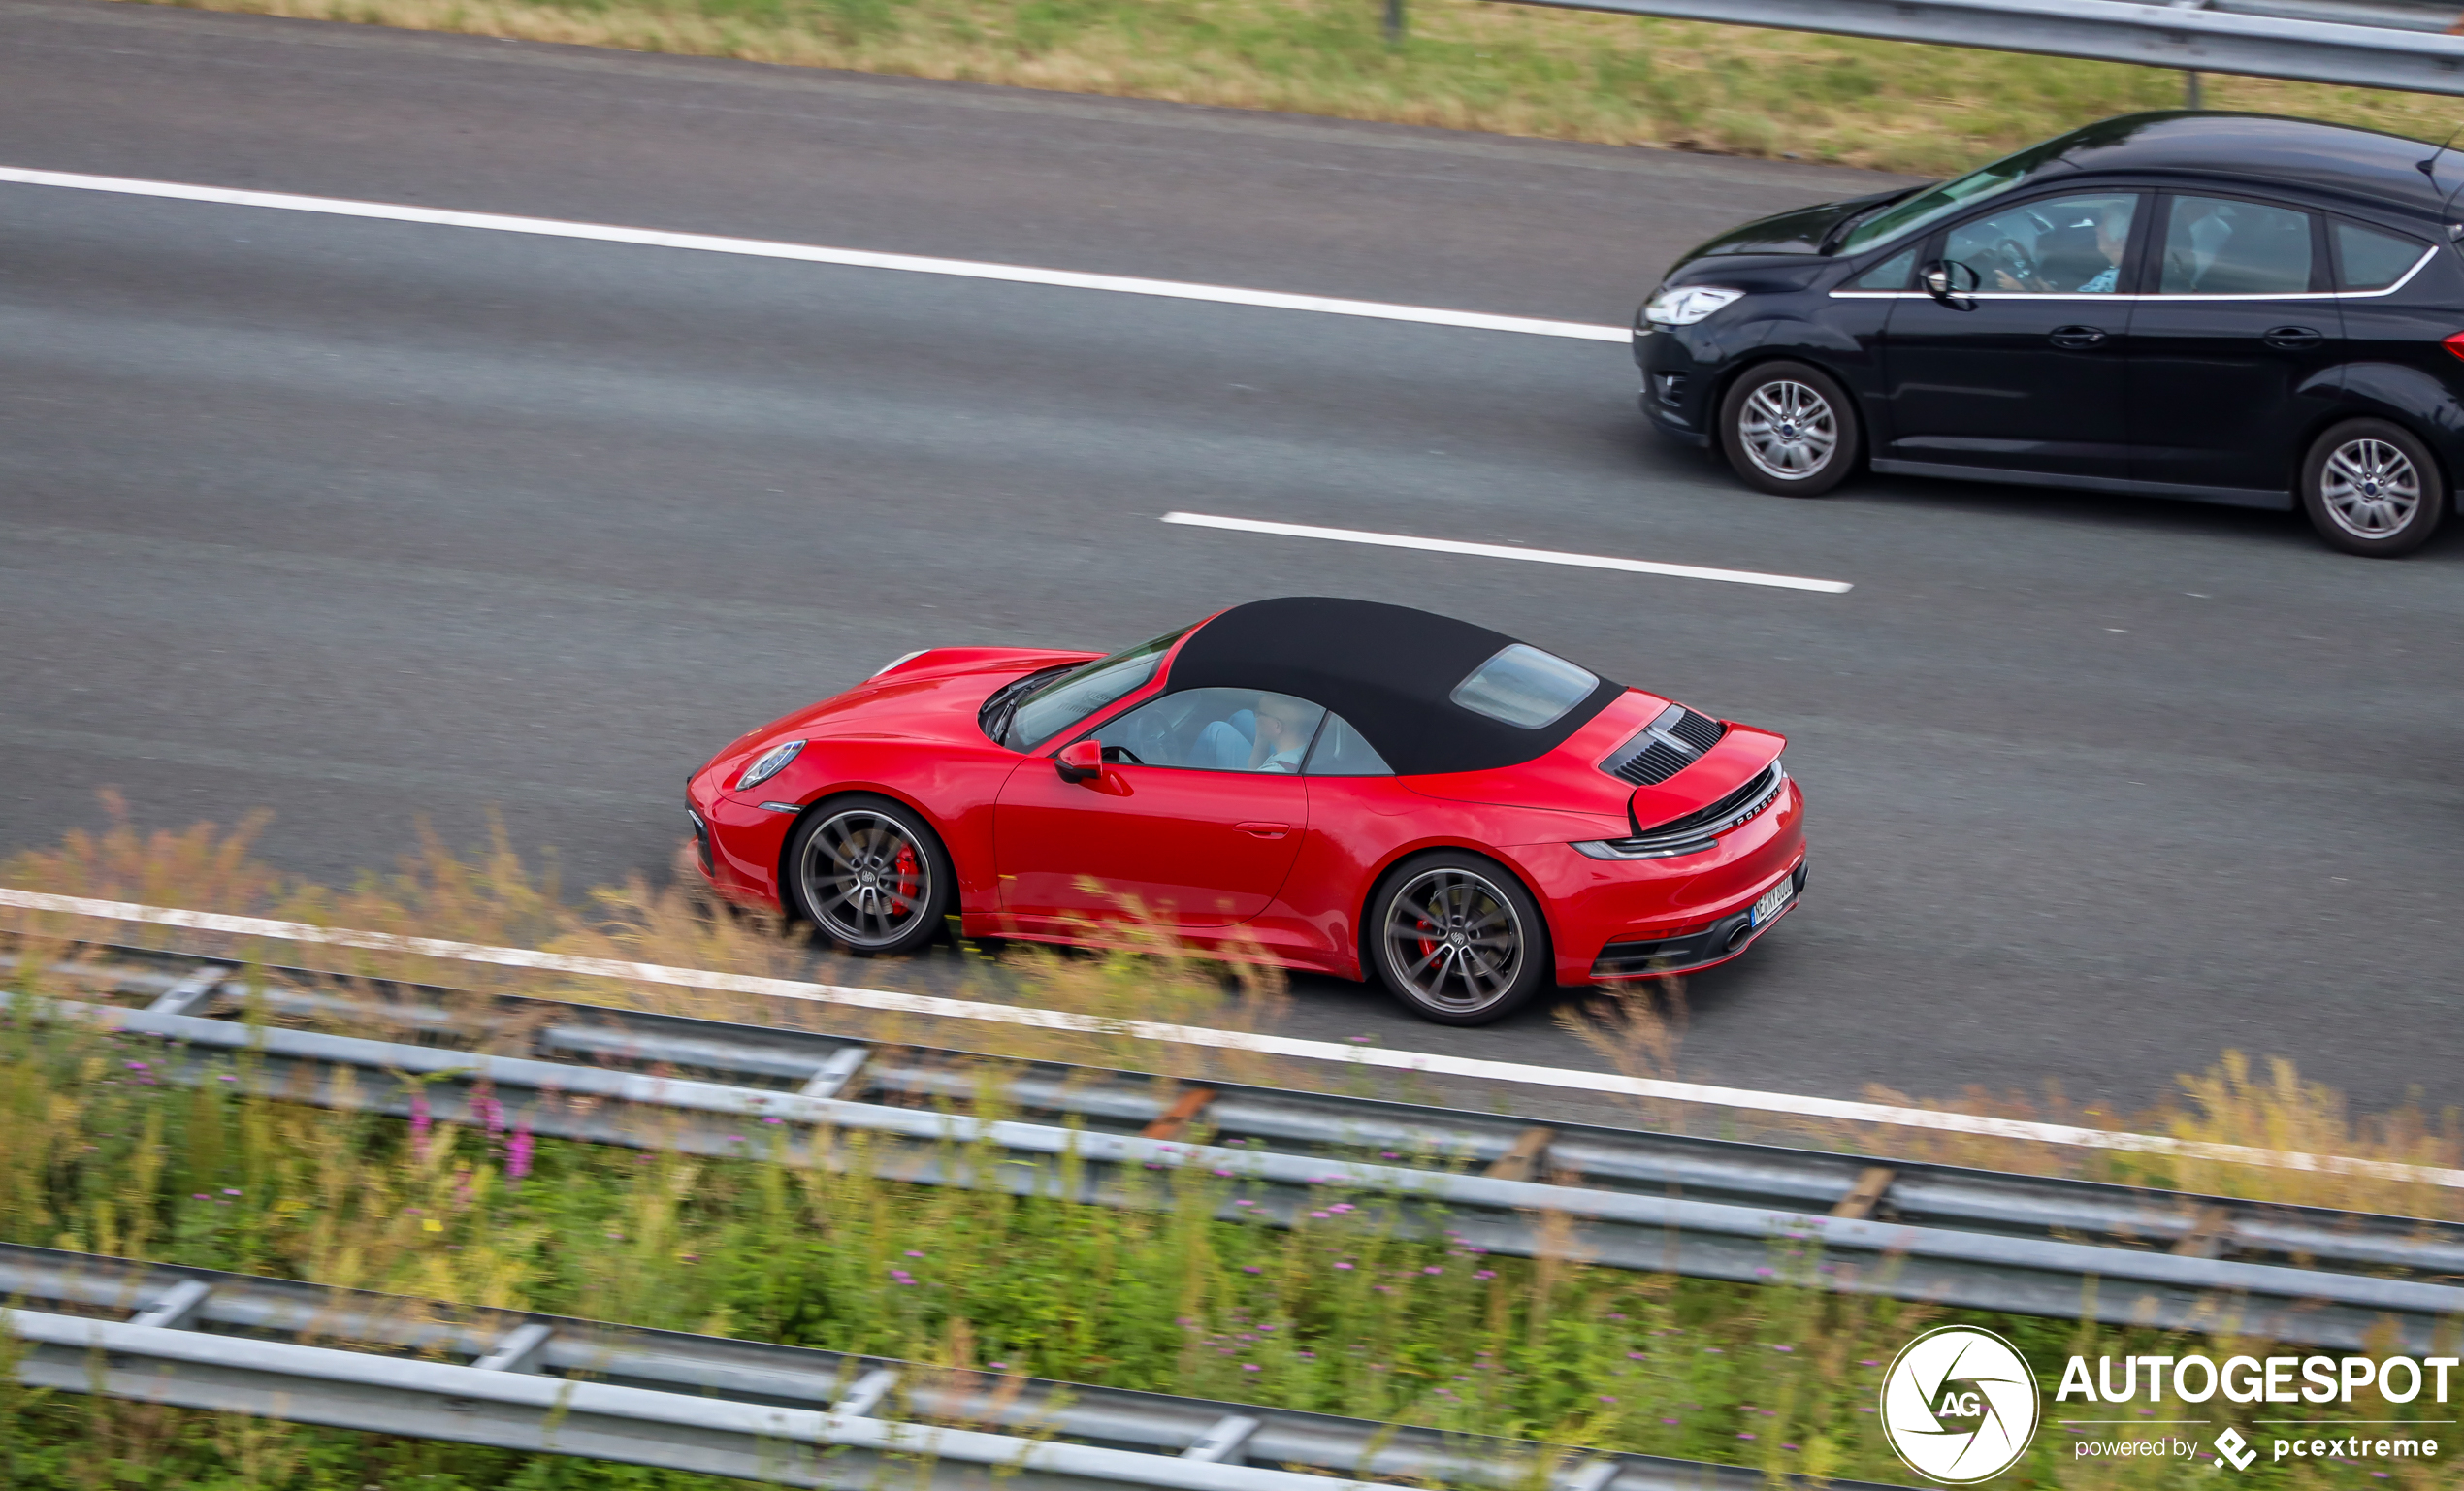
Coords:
pixel 789 1415
pixel 1699 1206
pixel 2365 45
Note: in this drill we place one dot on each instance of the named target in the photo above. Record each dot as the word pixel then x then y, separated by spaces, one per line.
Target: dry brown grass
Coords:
pixel 1468 65
pixel 495 900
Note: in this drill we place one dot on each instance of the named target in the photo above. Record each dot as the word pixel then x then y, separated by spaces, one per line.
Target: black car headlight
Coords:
pixel 1685 305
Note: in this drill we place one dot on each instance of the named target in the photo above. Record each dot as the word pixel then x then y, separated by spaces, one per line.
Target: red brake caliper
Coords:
pixel 909 874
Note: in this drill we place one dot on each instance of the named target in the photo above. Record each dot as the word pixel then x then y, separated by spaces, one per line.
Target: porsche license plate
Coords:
pixel 1774 901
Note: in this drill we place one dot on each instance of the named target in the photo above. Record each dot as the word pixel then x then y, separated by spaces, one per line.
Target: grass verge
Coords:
pixel 96 1154
pixel 1464 65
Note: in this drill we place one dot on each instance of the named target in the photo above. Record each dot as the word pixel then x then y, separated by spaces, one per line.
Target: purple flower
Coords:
pixel 419 1123
pixel 230 1191
pixel 133 1066
pixel 1346 1267
pixel 913 1254
pixel 517 1158
pixel 1742 1435
pixel 1485 1273
pixel 1605 1397
pixel 1250 1367
pixel 1432 1269
pixel 1251 1268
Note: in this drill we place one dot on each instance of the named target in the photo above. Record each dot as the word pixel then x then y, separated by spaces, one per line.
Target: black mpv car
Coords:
pixel 2225 307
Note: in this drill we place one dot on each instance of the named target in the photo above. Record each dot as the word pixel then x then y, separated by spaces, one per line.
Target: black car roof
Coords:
pixel 1386 668
pixel 2258 147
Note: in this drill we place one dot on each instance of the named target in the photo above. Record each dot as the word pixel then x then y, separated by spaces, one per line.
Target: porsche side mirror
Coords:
pixel 1081 760
pixel 1950 282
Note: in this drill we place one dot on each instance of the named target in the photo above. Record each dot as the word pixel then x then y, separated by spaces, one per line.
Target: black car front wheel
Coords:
pixel 1789 428
pixel 1457 938
pixel 2370 487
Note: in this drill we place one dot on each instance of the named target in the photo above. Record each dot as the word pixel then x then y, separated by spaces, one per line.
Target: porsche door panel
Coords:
pixel 1208 848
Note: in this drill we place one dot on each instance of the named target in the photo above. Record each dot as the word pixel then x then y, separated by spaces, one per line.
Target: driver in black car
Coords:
pixel 2080 258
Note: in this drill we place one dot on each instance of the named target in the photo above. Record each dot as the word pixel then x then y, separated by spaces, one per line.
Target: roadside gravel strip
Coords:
pixel 855 258
pixel 1428 1063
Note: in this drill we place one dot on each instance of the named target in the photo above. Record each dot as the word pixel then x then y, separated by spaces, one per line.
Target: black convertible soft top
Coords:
pixel 1386 668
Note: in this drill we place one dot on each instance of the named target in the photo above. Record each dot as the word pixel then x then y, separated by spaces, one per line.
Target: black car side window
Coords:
pixel 1891 273
pixel 2054 245
pixel 2371 260
pixel 2219 246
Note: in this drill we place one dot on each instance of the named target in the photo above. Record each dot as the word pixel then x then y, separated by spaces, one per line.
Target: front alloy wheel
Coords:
pixel 872 877
pixel 1459 941
pixel 1788 428
pixel 2371 488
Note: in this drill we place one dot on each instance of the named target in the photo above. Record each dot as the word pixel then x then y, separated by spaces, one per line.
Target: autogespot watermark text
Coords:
pixel 2304 1379
pixel 1960 1405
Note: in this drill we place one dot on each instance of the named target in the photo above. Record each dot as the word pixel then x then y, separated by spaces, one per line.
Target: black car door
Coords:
pixel 2233 347
pixel 2015 367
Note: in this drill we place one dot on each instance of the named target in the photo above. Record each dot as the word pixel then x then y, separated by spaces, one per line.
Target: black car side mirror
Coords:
pixel 1951 282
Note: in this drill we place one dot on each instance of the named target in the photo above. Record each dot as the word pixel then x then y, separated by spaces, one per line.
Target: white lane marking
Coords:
pixel 1429 1062
pixel 857 258
pixel 1507 551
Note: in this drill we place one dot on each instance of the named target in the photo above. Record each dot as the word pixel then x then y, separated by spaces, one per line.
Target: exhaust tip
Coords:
pixel 1743 934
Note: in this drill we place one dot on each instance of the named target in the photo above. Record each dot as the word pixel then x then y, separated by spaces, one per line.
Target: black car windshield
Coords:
pixel 1909 214
pixel 1074 694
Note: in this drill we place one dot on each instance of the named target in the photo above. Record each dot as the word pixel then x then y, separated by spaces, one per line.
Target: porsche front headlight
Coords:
pixel 768 763
pixel 1685 305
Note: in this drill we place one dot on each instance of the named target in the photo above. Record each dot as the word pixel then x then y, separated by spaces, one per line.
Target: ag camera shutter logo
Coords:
pixel 1959 1405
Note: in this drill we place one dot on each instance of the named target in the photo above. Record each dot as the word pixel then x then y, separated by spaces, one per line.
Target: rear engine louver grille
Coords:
pixel 1698 830
pixel 1673 741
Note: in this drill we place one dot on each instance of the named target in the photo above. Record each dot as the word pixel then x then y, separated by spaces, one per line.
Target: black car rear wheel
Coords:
pixel 1457 938
pixel 2370 487
pixel 1789 428
pixel 871 875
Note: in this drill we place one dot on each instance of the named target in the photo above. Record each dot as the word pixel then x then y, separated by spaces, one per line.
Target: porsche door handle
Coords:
pixel 1267 830
pixel 2077 339
pixel 2293 337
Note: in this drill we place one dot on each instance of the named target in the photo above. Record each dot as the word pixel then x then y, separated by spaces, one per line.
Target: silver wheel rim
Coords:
pixel 1788 430
pixel 2371 488
pixel 865 879
pixel 1455 940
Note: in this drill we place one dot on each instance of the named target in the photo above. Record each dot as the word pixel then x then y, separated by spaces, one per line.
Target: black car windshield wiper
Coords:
pixel 1840 229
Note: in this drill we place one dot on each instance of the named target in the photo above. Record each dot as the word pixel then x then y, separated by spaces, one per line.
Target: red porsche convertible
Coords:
pixel 1346 785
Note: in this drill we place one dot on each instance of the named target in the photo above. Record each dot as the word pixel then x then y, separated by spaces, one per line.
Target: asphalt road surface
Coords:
pixel 361 521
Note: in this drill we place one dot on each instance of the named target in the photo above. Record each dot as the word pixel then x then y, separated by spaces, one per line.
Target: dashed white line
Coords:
pixel 855 258
pixel 1509 551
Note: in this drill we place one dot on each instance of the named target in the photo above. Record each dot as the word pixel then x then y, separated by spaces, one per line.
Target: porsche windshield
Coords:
pixel 1074 696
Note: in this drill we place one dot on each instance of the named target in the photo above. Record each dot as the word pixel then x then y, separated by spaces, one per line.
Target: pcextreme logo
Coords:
pixel 1959 1405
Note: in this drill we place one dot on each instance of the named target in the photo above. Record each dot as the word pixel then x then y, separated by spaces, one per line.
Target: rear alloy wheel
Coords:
pixel 1458 939
pixel 2371 488
pixel 871 875
pixel 1789 428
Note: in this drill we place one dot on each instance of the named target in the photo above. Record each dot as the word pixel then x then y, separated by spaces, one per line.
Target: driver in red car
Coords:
pixel 1285 725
